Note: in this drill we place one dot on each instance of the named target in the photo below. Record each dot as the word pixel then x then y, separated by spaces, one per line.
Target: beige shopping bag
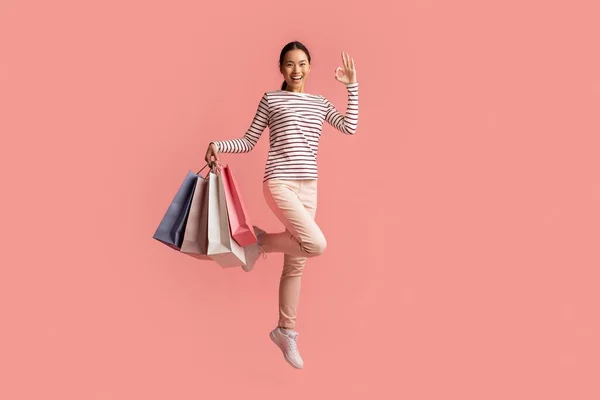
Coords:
pixel 195 240
pixel 221 246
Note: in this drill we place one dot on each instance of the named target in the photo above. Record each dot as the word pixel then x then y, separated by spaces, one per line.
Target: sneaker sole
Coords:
pixel 282 351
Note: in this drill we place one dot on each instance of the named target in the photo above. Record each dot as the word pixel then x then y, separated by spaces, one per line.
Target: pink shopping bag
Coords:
pixel 239 222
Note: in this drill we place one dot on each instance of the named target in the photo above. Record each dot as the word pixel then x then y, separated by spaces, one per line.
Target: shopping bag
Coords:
pixel 171 229
pixel 221 246
pixel 239 222
pixel 195 239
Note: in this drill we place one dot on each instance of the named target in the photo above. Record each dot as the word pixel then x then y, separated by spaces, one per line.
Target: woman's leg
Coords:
pixel 291 202
pixel 289 290
pixel 295 203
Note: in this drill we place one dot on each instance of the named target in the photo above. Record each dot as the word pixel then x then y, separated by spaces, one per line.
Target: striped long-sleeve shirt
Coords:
pixel 295 122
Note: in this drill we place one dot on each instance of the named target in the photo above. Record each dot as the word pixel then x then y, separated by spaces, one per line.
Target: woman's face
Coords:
pixel 295 69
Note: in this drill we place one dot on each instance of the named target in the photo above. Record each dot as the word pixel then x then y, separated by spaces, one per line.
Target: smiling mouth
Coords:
pixel 296 78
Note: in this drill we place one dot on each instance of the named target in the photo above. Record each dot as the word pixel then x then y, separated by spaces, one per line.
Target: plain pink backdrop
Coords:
pixel 462 219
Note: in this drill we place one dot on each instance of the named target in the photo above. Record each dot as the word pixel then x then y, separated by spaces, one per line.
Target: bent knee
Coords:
pixel 316 247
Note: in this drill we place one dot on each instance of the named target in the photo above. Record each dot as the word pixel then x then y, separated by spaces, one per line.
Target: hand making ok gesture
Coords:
pixel 348 70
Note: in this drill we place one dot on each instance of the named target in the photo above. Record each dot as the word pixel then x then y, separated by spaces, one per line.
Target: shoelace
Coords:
pixel 292 341
pixel 261 252
pixel 260 249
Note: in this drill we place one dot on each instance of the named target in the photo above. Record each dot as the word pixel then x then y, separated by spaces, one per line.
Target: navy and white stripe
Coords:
pixel 295 122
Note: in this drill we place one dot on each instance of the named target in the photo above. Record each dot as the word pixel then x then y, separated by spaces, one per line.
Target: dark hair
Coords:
pixel 288 47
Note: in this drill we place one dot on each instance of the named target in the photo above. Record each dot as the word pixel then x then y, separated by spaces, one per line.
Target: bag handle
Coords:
pixel 203 168
pixel 215 168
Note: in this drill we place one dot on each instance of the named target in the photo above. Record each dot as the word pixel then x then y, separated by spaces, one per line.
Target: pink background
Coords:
pixel 463 218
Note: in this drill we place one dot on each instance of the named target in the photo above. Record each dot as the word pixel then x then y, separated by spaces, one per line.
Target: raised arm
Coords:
pixel 345 123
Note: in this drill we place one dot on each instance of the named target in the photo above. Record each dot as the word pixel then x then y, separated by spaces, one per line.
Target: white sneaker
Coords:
pixel 253 251
pixel 258 232
pixel 287 342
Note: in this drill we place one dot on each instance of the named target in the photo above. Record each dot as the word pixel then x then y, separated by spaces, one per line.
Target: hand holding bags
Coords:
pixel 200 218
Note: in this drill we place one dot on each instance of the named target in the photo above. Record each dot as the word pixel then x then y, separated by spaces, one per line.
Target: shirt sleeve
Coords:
pixel 250 138
pixel 345 123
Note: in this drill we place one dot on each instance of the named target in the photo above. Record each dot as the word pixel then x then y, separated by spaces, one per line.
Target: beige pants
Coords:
pixel 294 202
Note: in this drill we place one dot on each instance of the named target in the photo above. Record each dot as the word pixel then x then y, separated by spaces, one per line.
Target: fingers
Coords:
pixel 211 154
pixel 336 72
pixel 348 68
pixel 345 59
pixel 216 167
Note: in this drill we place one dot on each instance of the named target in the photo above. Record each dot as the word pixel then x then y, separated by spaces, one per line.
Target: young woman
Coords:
pixel 295 120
